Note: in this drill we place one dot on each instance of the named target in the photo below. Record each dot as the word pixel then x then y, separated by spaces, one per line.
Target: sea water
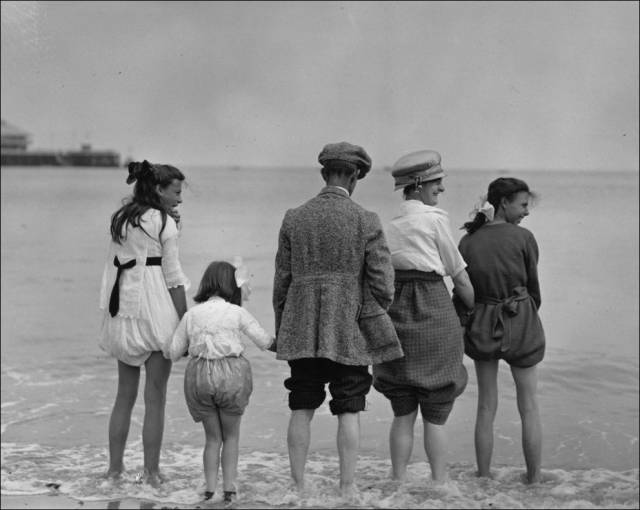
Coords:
pixel 58 387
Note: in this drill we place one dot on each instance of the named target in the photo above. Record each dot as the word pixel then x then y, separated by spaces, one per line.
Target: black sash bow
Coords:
pixel 114 301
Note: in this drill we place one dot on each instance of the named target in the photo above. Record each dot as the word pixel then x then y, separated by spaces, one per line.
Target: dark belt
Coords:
pixel 408 275
pixel 114 302
pixel 507 306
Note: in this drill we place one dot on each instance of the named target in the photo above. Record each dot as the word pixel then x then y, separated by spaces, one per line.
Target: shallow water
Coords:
pixel 58 387
pixel 264 482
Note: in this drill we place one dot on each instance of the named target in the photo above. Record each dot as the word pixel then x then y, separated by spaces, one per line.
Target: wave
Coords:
pixel 264 481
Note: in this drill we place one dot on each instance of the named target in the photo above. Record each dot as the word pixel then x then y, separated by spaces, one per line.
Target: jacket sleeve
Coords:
pixel 378 271
pixel 282 276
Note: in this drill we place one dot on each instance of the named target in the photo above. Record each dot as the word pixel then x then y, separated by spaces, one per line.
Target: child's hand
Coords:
pixel 174 214
pixel 464 314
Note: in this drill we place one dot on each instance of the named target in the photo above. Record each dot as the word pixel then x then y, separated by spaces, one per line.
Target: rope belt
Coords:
pixel 114 301
pixel 510 307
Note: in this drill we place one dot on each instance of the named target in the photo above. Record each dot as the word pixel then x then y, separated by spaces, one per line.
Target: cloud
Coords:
pixel 270 83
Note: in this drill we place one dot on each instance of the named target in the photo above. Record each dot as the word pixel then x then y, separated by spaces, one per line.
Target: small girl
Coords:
pixel 218 380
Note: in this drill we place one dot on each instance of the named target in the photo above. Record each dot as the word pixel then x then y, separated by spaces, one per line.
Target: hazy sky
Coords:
pixel 487 84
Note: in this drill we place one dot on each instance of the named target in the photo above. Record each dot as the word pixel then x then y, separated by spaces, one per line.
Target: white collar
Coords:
pixel 340 188
pixel 417 205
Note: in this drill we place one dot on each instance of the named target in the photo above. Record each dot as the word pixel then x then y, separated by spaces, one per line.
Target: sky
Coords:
pixel 497 85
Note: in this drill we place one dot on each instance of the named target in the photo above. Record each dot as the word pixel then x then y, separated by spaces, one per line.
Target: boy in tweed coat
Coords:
pixel 329 250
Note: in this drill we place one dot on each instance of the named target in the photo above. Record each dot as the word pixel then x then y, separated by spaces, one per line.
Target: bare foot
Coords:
pixel 439 481
pixel 294 495
pixel 398 475
pixel 482 475
pixel 349 493
pixel 114 474
pixel 155 479
pixel 539 477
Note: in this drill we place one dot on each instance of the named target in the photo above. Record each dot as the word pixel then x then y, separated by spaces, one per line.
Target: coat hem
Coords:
pixel 372 359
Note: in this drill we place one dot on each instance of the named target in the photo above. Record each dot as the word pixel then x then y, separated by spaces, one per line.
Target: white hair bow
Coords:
pixel 242 277
pixel 485 208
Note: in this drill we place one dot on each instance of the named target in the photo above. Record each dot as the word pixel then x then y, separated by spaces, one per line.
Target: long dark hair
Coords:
pixel 219 280
pixel 502 187
pixel 146 176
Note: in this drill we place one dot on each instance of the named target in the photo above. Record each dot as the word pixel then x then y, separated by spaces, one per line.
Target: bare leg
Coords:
pixel 348 440
pixel 487 375
pixel 298 438
pixel 401 444
pixel 120 421
pixel 526 387
pixel 230 448
pixel 211 454
pixel 435 446
pixel 155 395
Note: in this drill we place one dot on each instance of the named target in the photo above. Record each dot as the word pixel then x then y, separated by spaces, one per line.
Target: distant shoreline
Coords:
pixel 217 167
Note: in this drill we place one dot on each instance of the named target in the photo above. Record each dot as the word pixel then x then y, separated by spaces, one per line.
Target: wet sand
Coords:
pixel 54 501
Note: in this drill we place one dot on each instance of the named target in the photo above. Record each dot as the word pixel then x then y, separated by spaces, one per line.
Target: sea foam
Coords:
pixel 264 481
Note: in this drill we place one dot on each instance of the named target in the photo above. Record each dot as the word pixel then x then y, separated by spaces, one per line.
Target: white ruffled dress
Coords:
pixel 146 318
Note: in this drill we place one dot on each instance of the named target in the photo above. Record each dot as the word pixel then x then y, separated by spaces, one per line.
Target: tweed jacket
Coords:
pixel 330 252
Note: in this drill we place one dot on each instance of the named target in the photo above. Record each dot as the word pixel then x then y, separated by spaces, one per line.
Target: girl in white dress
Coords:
pixel 143 298
pixel 218 380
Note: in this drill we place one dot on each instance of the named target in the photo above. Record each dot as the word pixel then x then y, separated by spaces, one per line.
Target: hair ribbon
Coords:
pixel 485 208
pixel 242 277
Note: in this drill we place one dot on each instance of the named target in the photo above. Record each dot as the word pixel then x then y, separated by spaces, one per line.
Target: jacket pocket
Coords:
pixel 378 331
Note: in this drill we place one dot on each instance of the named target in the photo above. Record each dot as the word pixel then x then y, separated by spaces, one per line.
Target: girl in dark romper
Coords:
pixel 502 260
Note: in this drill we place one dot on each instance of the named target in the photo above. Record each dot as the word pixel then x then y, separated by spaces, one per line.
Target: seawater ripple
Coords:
pixel 264 481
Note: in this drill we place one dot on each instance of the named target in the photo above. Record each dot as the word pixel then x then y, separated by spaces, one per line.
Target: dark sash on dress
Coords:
pixel 509 306
pixel 114 301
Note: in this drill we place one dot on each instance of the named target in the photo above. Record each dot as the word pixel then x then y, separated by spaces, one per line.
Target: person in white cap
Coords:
pixel 431 375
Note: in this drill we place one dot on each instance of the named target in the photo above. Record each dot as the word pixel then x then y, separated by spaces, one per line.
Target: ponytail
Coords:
pixel 473 225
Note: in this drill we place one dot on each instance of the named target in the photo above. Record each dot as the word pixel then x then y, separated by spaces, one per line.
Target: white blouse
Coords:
pixel 139 244
pixel 213 330
pixel 420 238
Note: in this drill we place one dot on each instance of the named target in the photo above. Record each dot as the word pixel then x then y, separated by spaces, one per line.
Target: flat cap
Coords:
pixel 345 155
pixel 417 167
